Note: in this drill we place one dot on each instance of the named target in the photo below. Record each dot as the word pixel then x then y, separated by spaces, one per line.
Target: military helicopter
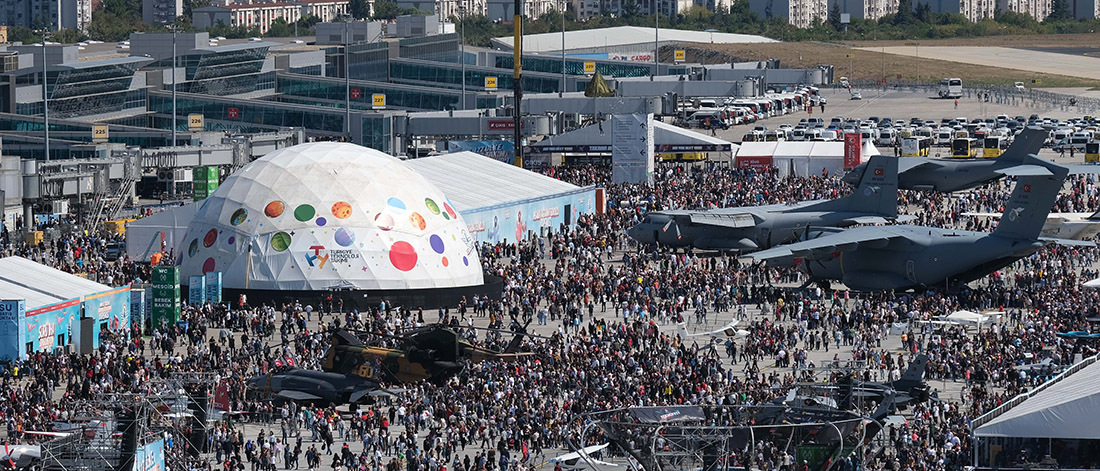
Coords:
pixel 353 371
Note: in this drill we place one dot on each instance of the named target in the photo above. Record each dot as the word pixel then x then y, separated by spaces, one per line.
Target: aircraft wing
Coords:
pixel 824 246
pixel 909 163
pixel 297 395
pixel 1078 243
pixel 867 220
pixel 1025 171
pixel 724 219
pixel 48 434
pixel 1079 169
pixel 729 330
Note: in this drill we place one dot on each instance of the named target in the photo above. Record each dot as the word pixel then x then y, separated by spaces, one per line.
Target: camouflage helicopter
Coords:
pixel 353 371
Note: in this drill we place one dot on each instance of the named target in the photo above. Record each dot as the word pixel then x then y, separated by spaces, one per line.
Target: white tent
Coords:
pixel 144 236
pixel 800 158
pixel 1068 408
pixel 1092 284
pixel 972 319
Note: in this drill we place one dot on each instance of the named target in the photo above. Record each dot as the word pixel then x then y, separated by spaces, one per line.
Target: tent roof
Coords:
pixel 40 285
pixel 1067 408
pixel 473 181
pixel 590 139
pixel 621 36
pixel 810 149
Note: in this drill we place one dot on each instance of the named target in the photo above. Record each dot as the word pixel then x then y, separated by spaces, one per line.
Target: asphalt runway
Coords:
pixel 1043 61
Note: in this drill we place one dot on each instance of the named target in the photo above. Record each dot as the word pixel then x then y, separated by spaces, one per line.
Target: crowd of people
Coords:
pixel 609 311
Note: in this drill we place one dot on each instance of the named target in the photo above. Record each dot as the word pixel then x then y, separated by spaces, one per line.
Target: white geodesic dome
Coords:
pixel 320 216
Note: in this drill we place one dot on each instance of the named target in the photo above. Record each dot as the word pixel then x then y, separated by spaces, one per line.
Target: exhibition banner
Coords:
pixel 150 457
pixel 11 335
pixel 111 310
pixel 50 326
pixel 196 291
pixel 214 287
pixel 504 151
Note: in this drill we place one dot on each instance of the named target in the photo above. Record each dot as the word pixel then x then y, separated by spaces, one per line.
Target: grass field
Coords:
pixel 866 65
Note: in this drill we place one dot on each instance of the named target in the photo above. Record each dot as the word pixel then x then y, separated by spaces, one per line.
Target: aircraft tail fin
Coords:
pixel 1029 205
pixel 1027 142
pixel 913 375
pixel 877 191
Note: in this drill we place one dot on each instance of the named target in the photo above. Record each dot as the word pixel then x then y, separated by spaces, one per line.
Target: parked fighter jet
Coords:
pixel 904 256
pixel 761 227
pixel 1077 226
pixel 947 175
pixel 317 387
pixel 908 389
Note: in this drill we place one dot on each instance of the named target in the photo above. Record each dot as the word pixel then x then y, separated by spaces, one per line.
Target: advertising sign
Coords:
pixel 515 222
pixel 50 326
pixel 11 333
pixel 853 150
pixel 214 287
pixel 196 290
pixel 110 309
pixel 501 124
pixel 137 306
pixel 166 296
pixel 150 457
pixel 504 151
pixel 632 148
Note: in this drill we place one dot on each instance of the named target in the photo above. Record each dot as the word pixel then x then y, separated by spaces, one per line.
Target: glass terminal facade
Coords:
pixel 77 89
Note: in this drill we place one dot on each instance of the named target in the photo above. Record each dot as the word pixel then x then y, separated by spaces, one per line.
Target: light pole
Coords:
pixel 174 124
pixel 45 97
pixel 462 51
pixel 656 39
pixel 562 48
pixel 347 82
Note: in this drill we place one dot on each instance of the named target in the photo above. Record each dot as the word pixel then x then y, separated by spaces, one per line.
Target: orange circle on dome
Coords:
pixel 446 262
pixel 341 210
pixel 417 221
pixel 274 209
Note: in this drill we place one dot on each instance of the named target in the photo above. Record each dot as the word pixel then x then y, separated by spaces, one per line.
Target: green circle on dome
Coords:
pixel 280 241
pixel 304 212
pixel 239 216
pixel 434 208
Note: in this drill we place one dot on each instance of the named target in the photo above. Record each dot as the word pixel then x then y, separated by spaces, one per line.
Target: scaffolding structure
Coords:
pixel 114 425
pixel 720 437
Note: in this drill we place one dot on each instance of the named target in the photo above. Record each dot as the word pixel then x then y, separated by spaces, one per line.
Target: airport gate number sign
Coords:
pixel 378 100
pixel 679 55
pixel 233 112
pixel 491 83
pixel 356 94
pixel 99 132
pixel 589 67
pixel 194 122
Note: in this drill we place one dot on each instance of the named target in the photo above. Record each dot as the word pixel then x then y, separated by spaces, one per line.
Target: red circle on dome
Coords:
pixel 403 256
pixel 208 265
pixel 446 262
pixel 211 237
pixel 450 211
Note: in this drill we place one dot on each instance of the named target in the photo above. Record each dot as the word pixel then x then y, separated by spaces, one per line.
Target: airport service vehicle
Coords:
pixel 965 148
pixel 994 146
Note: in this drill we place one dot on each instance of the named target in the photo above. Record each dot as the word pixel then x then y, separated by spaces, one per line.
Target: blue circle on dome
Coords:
pixel 437 243
pixel 397 203
pixel 344 237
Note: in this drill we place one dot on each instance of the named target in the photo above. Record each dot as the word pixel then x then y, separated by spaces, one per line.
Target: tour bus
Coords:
pixel 964 148
pixel 915 146
pixel 683 156
pixel 994 146
pixel 951 88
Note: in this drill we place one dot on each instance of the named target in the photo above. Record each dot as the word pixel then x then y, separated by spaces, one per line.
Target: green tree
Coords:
pixel 905 13
pixel 386 10
pixel 630 9
pixel 834 16
pixel 359 9
pixel 23 34
pixel 1059 11
pixel 279 29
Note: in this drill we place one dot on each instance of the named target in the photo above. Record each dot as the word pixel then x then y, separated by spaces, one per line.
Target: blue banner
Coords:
pixel 12 337
pixel 111 311
pixel 214 287
pixel 50 326
pixel 137 305
pixel 515 222
pixel 150 457
pixel 504 151
pixel 196 290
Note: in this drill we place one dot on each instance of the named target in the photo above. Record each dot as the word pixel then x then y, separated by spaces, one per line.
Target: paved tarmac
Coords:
pixel 1083 66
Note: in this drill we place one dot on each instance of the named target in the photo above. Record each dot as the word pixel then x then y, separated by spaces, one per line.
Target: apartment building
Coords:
pixel 262 15
pixel 71 14
pixel 866 9
pixel 161 12
pixel 800 13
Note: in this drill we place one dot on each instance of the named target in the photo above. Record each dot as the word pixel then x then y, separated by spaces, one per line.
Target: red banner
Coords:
pixel 853 150
pixel 501 124
pixel 756 162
